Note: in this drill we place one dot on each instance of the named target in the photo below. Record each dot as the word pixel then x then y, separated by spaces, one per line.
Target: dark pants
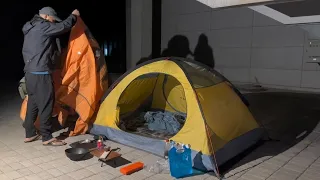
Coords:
pixel 40 91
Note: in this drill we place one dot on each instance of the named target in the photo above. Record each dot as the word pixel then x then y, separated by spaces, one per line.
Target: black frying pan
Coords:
pixel 76 154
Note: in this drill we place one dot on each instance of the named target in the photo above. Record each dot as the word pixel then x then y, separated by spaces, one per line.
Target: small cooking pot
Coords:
pixel 76 154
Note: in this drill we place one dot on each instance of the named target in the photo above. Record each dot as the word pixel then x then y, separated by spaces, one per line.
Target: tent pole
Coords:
pixel 216 169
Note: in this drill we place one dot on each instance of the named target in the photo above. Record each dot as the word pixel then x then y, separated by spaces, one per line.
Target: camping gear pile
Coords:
pixel 178 163
pixel 104 154
pixel 81 149
pixel 79 83
pixel 86 149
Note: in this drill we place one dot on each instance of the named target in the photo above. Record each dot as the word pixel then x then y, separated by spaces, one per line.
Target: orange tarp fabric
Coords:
pixel 81 81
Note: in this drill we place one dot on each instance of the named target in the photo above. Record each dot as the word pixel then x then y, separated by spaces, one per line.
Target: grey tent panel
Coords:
pixel 238 145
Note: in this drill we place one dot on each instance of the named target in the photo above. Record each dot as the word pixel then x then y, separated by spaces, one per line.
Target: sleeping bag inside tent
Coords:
pixel 181 100
pixel 79 81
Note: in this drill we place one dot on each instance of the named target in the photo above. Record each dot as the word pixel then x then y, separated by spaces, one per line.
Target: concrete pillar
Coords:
pixel 139 30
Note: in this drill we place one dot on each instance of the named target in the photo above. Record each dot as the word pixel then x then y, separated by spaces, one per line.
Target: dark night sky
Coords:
pixel 104 21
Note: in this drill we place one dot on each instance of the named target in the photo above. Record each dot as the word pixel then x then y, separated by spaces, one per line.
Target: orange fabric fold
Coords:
pixel 81 81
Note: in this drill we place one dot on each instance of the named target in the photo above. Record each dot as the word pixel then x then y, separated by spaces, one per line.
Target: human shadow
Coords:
pixel 288 119
pixel 144 59
pixel 203 53
pixel 178 46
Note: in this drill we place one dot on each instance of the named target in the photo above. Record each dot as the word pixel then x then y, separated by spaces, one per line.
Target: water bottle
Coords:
pixel 166 149
pixel 188 159
pixel 180 161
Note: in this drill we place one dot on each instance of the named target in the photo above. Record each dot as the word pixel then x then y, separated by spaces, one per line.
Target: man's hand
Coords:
pixel 76 12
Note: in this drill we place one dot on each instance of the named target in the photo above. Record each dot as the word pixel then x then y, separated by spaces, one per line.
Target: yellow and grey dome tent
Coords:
pixel 218 125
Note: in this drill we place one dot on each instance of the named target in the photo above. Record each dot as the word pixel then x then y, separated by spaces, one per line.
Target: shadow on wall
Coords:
pixel 179 46
pixel 203 52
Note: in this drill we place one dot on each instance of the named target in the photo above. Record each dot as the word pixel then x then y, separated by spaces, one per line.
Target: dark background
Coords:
pixel 105 19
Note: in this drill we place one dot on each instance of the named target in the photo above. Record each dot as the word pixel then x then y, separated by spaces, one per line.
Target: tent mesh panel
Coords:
pixel 200 77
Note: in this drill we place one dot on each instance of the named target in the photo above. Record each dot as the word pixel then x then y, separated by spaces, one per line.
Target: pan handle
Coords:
pixel 115 149
pixel 90 150
pixel 103 148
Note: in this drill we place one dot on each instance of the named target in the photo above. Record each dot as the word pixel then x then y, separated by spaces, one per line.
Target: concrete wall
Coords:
pixel 247 45
pixel 138 30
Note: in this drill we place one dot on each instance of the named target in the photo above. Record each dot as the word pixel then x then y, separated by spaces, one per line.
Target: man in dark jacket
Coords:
pixel 40 49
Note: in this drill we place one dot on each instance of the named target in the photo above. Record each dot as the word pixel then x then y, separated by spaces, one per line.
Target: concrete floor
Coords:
pixel 284 115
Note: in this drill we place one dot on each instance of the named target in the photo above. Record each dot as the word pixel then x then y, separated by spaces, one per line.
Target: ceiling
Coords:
pixel 298 8
pixel 298 12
